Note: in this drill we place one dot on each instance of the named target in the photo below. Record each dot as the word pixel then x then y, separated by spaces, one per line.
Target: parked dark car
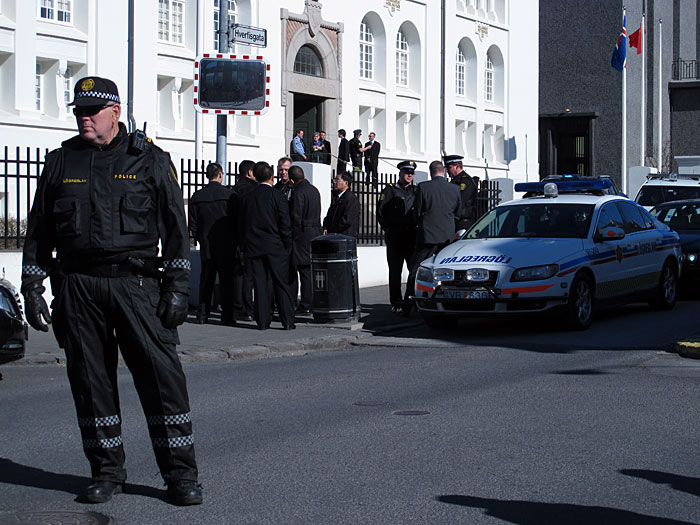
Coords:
pixel 13 329
pixel 683 216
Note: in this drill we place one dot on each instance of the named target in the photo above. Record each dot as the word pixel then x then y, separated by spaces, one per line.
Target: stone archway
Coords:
pixel 325 38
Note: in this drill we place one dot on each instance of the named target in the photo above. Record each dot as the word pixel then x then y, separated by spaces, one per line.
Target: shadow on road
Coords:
pixel 682 483
pixel 536 513
pixel 16 474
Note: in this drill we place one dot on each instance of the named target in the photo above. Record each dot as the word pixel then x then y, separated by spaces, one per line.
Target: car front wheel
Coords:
pixel 579 312
pixel 667 289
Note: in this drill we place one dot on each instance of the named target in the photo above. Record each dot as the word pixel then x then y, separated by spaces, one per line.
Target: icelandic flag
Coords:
pixel 619 55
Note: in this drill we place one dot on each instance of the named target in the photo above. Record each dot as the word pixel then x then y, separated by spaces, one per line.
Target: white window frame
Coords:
pixel 402 63
pixel 171 21
pixel 232 17
pixel 38 87
pixel 366 52
pixel 460 72
pixel 488 79
pixel 56 11
pixel 68 88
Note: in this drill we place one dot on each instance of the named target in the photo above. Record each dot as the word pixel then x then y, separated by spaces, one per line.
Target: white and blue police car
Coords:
pixel 564 247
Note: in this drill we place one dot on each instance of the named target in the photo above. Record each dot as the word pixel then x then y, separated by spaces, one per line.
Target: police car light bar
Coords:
pixel 565 185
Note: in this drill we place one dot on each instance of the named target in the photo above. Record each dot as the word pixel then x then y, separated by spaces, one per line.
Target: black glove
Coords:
pixel 172 309
pixel 35 308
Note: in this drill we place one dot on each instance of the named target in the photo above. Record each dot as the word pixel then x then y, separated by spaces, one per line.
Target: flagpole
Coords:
pixel 660 139
pixel 644 77
pixel 623 166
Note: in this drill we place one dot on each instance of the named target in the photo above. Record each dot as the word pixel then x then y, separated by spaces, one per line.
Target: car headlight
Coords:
pixel 535 273
pixel 444 274
pixel 424 274
pixel 691 257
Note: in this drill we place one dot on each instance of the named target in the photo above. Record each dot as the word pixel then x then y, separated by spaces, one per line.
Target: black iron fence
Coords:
pixel 686 70
pixel 20 170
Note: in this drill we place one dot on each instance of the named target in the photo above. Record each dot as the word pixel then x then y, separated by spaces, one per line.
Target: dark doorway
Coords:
pixel 308 115
pixel 565 145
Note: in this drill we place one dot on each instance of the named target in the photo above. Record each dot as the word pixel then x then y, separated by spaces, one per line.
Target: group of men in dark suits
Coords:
pixel 420 220
pixel 351 154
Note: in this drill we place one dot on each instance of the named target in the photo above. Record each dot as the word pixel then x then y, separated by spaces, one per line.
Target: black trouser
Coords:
pixel 421 252
pixel 243 286
pixel 98 315
pixel 276 268
pixel 207 278
pixel 301 273
pixel 399 249
pixel 371 171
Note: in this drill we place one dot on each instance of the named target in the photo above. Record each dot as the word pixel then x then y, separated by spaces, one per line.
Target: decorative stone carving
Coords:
pixel 313 14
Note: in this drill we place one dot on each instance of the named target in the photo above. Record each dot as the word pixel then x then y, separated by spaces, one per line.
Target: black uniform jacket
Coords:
pixel 326 152
pixel 343 154
pixel 102 205
pixel 467 188
pixel 266 229
pixel 437 205
pixel 343 214
pixel 395 209
pixel 305 212
pixel 372 154
pixel 355 153
pixel 211 215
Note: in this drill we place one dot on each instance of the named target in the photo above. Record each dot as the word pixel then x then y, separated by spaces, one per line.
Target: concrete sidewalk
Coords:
pixel 214 342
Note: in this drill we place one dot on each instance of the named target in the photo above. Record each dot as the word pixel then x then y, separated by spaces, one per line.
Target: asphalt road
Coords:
pixel 497 435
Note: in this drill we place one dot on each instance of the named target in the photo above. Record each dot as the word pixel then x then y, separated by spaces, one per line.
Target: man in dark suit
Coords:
pixel 372 149
pixel 326 151
pixel 343 152
pixel 396 216
pixel 268 241
pixel 243 281
pixel 283 184
pixel 211 221
pixel 468 191
pixel 437 204
pixel 344 212
pixel 305 212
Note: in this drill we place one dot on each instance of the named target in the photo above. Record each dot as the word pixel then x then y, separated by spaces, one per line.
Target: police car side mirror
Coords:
pixel 459 234
pixel 609 233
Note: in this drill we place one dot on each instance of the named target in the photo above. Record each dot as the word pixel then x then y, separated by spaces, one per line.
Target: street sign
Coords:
pixel 252 36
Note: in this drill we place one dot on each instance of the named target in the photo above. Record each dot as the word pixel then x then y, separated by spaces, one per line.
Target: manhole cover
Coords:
pixel 55 517
pixel 411 413
pixel 371 403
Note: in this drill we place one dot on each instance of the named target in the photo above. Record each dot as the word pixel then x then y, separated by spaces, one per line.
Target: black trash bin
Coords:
pixel 336 291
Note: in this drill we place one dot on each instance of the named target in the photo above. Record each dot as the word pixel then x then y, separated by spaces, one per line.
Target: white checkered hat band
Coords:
pixel 98 94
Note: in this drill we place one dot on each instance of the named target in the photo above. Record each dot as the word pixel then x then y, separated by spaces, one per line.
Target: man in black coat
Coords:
pixel 326 151
pixel 437 205
pixel 268 242
pixel 372 149
pixel 344 212
pixel 356 150
pixel 395 214
pixel 243 281
pixel 468 191
pixel 305 211
pixel 343 152
pixel 211 220
pixel 283 184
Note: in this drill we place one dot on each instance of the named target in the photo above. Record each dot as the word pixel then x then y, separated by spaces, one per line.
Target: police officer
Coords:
pixel 356 150
pixel 211 220
pixel 395 215
pixel 104 201
pixel 468 191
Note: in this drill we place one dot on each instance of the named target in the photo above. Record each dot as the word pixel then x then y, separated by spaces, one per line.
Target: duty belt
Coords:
pixel 131 266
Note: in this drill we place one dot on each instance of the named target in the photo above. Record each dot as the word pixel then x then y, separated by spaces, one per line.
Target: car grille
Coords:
pixel 460 279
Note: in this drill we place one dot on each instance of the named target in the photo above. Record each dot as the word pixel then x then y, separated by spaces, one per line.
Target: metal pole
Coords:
pixel 198 121
pixel 623 160
pixel 442 79
pixel 221 131
pixel 130 72
pixel 642 38
pixel 659 137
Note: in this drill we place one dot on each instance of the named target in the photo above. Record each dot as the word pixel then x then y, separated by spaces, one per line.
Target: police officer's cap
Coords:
pixel 94 91
pixel 451 159
pixel 358 132
pixel 407 166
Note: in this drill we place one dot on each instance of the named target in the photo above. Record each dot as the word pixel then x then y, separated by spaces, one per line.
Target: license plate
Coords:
pixel 466 294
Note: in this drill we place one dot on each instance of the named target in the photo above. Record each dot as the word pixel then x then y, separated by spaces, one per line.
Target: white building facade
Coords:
pixel 369 64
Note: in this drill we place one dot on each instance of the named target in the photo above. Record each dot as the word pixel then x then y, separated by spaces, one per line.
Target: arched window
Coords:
pixel 307 62
pixel 232 15
pixel 401 59
pixel 366 52
pixel 488 79
pixel 460 71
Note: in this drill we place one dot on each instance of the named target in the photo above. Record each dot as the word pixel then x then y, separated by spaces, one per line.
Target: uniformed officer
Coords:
pixel 356 150
pixel 436 206
pixel 468 191
pixel 395 214
pixel 211 221
pixel 104 201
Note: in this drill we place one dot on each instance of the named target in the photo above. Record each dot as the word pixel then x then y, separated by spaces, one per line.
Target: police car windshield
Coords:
pixel 683 216
pixel 541 220
pixel 653 195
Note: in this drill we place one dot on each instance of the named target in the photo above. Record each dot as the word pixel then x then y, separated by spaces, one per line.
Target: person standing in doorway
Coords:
pixel 298 147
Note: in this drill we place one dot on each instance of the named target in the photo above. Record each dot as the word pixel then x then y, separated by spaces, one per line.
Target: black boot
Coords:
pixel 202 314
pixel 102 490
pixel 184 492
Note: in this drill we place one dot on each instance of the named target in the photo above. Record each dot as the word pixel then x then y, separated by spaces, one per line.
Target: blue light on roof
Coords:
pixel 565 184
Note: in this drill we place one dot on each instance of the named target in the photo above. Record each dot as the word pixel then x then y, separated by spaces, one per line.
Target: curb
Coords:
pixel 688 349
